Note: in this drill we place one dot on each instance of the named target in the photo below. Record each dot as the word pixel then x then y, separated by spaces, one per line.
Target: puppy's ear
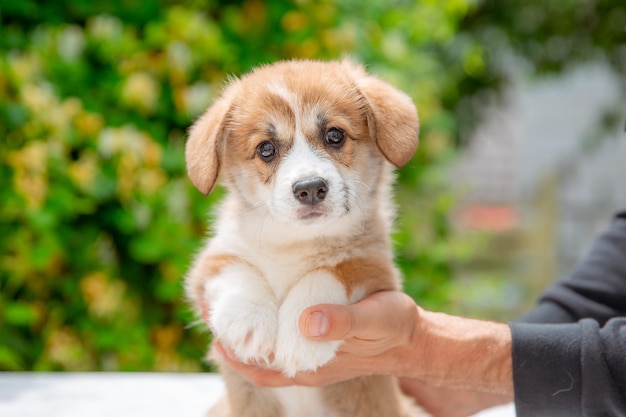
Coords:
pixel 392 118
pixel 203 152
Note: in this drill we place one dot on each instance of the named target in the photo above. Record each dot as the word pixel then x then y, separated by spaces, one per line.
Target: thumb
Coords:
pixel 364 320
pixel 327 322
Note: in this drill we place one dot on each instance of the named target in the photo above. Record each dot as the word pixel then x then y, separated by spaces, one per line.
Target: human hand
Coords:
pixel 446 402
pixel 377 332
pixel 388 334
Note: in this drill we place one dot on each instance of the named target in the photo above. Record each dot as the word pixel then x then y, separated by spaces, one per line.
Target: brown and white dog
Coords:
pixel 306 152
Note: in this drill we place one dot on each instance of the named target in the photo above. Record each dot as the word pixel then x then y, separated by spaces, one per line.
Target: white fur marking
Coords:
pixel 281 91
pixel 243 312
pixel 304 162
pixel 295 352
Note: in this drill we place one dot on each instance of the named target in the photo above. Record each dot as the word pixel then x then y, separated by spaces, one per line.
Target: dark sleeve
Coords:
pixel 569 354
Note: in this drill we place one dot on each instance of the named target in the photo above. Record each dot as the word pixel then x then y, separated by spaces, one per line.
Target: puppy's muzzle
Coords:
pixel 310 191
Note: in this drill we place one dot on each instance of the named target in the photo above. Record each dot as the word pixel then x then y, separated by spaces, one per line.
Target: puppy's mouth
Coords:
pixel 311 214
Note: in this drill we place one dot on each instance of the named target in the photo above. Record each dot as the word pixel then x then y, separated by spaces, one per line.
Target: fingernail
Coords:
pixel 316 324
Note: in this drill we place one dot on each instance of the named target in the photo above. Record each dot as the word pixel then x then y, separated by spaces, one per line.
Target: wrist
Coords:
pixel 462 353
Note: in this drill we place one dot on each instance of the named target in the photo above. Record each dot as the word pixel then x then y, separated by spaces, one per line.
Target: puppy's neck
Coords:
pixel 256 225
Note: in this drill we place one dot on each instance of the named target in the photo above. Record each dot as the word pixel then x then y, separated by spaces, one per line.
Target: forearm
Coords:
pixel 461 353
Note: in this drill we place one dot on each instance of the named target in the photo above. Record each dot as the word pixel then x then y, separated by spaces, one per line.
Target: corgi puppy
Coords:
pixel 306 152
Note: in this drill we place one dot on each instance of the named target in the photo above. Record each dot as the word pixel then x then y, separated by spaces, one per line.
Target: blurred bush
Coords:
pixel 98 222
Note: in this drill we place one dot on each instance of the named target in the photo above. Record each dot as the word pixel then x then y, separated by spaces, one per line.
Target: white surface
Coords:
pixel 120 395
pixel 108 394
pixel 502 411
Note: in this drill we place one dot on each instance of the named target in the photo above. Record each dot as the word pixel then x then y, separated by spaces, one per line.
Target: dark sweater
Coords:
pixel 569 353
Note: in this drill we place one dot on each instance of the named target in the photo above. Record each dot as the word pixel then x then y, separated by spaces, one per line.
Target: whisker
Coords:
pixel 259 232
pixel 196 323
pixel 357 201
pixel 260 204
pixel 367 187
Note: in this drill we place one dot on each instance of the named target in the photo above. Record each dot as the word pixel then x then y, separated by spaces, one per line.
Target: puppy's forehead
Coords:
pixel 294 89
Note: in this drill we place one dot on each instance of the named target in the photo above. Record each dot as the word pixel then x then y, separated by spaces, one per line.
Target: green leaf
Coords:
pixel 9 360
pixel 20 313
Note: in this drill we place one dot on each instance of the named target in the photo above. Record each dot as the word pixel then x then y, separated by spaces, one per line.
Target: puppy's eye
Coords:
pixel 266 150
pixel 335 136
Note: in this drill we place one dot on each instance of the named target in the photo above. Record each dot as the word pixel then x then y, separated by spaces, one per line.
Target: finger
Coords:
pixel 224 352
pixel 257 374
pixel 325 322
pixel 342 368
pixel 373 318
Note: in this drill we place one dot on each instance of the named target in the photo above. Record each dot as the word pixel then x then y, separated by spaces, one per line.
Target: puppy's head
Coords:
pixel 307 140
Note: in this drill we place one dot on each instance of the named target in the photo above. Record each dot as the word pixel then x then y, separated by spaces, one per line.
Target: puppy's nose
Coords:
pixel 310 191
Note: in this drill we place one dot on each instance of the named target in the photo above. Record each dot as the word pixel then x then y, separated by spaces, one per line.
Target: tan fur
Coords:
pixel 388 121
pixel 390 117
pixel 276 103
pixel 203 151
pixel 371 274
pixel 362 397
pixel 248 400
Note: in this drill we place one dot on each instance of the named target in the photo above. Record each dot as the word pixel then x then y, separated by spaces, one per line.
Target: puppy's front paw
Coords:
pixel 248 328
pixel 295 353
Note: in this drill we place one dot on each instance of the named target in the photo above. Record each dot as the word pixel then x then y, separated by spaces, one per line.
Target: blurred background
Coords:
pixel 522 158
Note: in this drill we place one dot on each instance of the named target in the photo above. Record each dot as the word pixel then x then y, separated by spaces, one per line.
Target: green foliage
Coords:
pixel 98 221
